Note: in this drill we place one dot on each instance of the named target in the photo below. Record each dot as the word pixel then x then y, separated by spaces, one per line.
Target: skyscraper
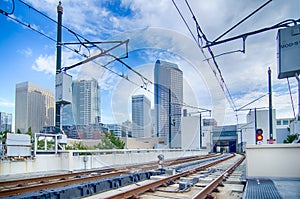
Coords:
pixel 168 97
pixel 141 120
pixel 86 102
pixel 34 107
pixel 5 122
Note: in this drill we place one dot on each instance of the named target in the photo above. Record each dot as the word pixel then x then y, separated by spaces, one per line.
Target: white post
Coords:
pixel 297 77
pixel 56 144
pixel 35 144
pixel 45 143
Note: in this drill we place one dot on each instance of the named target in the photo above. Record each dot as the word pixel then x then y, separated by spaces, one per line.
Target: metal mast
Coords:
pixel 270 105
pixel 58 63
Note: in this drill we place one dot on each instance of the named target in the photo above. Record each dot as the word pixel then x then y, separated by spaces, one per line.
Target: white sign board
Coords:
pixel 288 52
pixel 18 145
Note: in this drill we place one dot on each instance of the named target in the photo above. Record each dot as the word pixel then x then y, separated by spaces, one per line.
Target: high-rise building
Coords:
pixel 5 122
pixel 168 98
pixel 141 120
pixel 34 107
pixel 86 102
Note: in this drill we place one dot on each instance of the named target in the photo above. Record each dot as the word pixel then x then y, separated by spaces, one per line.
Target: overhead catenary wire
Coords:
pixel 12 9
pixel 54 40
pixel 282 24
pixel 201 35
pixel 144 79
pixel 244 19
pixel 222 83
pixel 291 97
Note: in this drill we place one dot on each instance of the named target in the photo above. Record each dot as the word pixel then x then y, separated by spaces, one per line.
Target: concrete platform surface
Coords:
pixel 288 188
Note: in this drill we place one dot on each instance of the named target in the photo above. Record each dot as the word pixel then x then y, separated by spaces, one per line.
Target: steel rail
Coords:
pixel 215 183
pixel 135 192
pixel 22 182
pixel 55 184
pixel 22 186
pixel 167 163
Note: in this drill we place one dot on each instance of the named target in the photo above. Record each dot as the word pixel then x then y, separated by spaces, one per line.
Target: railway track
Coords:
pixel 22 186
pixel 181 185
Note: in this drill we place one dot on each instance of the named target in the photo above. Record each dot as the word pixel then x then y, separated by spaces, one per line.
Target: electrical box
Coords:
pixel 62 139
pixel 288 52
pixel 63 88
pixel 18 145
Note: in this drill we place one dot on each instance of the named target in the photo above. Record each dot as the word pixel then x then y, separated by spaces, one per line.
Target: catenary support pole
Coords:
pixel 58 62
pixel 170 119
pixel 200 130
pixel 270 106
pixel 298 79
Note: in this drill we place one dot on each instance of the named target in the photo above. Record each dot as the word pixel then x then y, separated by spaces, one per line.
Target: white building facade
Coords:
pixel 5 122
pixel 34 107
pixel 86 105
pixel 168 98
pixel 141 116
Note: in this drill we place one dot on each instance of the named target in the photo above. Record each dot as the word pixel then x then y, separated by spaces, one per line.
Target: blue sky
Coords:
pixel 156 31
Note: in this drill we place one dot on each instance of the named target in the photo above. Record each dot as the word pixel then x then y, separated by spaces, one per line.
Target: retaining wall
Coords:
pixel 66 161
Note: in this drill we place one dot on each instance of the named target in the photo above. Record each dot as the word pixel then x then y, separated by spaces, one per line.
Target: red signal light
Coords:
pixel 259 137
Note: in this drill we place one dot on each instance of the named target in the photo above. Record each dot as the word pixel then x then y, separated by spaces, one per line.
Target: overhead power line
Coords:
pixel 88 44
pixel 240 22
pixel 199 40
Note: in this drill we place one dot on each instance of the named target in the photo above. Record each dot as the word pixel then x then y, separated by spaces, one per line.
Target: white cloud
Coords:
pixel 157 31
pixel 6 104
pixel 27 52
pixel 45 63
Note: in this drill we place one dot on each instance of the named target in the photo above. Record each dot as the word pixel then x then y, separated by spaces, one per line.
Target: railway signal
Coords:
pixel 259 136
pixel 161 160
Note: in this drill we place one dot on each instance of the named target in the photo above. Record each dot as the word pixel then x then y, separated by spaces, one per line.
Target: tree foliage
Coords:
pixel 108 141
pixel 3 135
pixel 290 139
pixel 119 144
pixel 78 146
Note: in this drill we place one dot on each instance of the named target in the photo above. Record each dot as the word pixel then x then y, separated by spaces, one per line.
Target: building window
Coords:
pixel 285 122
pixel 278 122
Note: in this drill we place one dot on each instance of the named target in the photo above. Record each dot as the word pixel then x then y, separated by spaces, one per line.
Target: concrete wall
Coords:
pixel 262 118
pixel 130 143
pixel 41 163
pixel 143 143
pixel 190 128
pixel 76 160
pixel 273 160
pixel 120 158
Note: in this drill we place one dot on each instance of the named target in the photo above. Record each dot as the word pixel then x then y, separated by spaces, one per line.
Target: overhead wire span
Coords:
pixel 244 19
pixel 291 96
pixel 12 9
pixel 241 108
pixel 144 79
pixel 200 36
pixel 282 24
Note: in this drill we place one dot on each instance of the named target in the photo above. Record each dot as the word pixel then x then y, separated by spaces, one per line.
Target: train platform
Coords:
pixel 263 188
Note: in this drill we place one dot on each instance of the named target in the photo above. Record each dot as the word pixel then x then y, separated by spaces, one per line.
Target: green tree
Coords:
pixel 41 144
pixel 119 144
pixel 290 139
pixel 77 146
pixel 29 132
pixel 105 142
pixel 3 135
